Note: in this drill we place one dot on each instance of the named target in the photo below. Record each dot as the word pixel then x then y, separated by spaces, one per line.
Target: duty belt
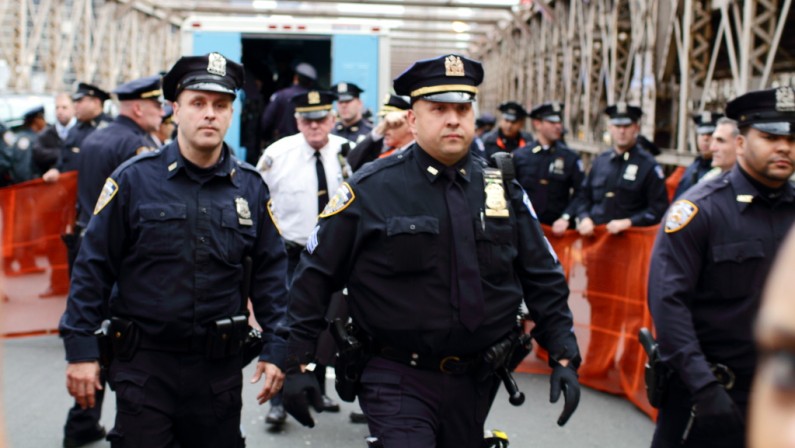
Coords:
pixel 451 365
pixel 293 249
pixel 194 344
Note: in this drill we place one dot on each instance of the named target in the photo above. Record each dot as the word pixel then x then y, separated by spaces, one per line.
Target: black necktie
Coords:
pixel 322 186
pixel 466 291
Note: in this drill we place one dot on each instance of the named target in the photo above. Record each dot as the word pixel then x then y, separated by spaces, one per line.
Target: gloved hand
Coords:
pixel 564 378
pixel 715 409
pixel 300 390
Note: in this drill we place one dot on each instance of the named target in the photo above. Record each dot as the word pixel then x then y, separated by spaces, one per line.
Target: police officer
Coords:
pixel 140 114
pixel 278 120
pixel 88 100
pixel 483 125
pixel 21 153
pixel 372 146
pixel 300 171
pixel 707 271
pixel 165 132
pixel 351 125
pixel 705 125
pixel 164 251
pixel 550 172
pixel 723 147
pixel 509 135
pixel 437 254
pixel 625 186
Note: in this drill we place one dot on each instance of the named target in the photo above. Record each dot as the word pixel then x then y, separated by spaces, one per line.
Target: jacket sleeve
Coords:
pixel 656 199
pixel 676 264
pixel 546 293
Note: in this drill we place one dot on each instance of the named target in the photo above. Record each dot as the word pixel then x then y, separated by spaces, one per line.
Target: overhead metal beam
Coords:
pixel 420 3
pixel 215 7
pixel 427 38
pixel 437 30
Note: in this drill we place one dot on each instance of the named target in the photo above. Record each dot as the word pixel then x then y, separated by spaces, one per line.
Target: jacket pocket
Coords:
pixel 412 242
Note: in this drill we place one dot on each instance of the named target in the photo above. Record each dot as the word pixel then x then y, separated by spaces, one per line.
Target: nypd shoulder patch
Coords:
pixel 109 191
pixel 679 215
pixel 340 201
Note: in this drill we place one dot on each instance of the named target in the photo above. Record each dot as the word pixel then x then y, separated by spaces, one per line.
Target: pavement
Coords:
pixel 35 403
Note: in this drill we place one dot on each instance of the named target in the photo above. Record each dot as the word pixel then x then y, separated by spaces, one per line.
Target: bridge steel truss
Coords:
pixel 104 42
pixel 673 57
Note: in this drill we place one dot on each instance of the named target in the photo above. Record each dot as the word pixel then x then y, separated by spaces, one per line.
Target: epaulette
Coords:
pixel 246 166
pixel 136 159
pixel 378 165
pixel 701 190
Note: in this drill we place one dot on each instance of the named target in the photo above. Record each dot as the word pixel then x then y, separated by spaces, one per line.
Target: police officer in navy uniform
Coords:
pixel 140 114
pixel 164 251
pixel 705 122
pixel 437 253
pixel 278 119
pixel 483 125
pixel 707 272
pixel 20 153
pixel 371 146
pixel 350 125
pixel 625 186
pixel 88 100
pixel 509 135
pixel 100 153
pixel 548 170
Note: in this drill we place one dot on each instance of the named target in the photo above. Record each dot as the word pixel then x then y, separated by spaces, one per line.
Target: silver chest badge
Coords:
pixel 243 212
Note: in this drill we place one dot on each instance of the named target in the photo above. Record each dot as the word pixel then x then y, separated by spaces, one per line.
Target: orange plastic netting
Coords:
pixel 34 216
pixel 607 277
pixel 608 280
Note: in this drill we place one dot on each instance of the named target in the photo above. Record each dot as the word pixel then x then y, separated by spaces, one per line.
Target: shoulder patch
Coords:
pixel 340 201
pixel 109 191
pixel 23 143
pixel 679 215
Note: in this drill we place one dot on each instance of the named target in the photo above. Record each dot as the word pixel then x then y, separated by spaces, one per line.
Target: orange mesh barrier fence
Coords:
pixel 672 181
pixel 35 275
pixel 607 277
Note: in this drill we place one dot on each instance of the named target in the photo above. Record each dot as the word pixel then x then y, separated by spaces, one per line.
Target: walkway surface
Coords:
pixel 36 401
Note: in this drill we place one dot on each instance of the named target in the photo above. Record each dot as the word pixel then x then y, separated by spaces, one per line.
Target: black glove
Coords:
pixel 301 390
pixel 564 378
pixel 715 409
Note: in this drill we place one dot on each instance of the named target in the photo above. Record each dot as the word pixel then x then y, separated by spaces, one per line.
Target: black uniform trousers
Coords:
pixel 411 408
pixel 675 414
pixel 167 399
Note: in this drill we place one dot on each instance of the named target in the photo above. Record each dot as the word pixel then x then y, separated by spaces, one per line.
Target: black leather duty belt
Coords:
pixel 451 365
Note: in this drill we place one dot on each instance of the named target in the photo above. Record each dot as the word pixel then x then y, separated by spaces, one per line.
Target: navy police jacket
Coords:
pixel 386 236
pixel 165 248
pixel 552 178
pixel 494 142
pixel 708 269
pixel 624 186
pixel 70 153
pixel 355 132
pixel 101 153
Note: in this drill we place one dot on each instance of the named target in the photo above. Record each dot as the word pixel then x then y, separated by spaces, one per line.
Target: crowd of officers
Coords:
pixel 423 232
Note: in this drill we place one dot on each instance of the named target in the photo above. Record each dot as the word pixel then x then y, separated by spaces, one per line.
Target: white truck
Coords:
pixel 269 47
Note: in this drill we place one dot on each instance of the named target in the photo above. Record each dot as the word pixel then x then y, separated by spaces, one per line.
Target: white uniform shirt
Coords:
pixel 288 167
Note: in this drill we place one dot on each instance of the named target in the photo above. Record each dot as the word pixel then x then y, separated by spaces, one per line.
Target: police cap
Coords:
pixel 35 112
pixel 771 111
pixel 211 72
pixel 550 111
pixel 486 119
pixel 622 114
pixel 445 79
pixel 306 70
pixel 140 89
pixel 313 105
pixel 346 91
pixel 84 89
pixel 395 103
pixel 706 122
pixel 512 111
